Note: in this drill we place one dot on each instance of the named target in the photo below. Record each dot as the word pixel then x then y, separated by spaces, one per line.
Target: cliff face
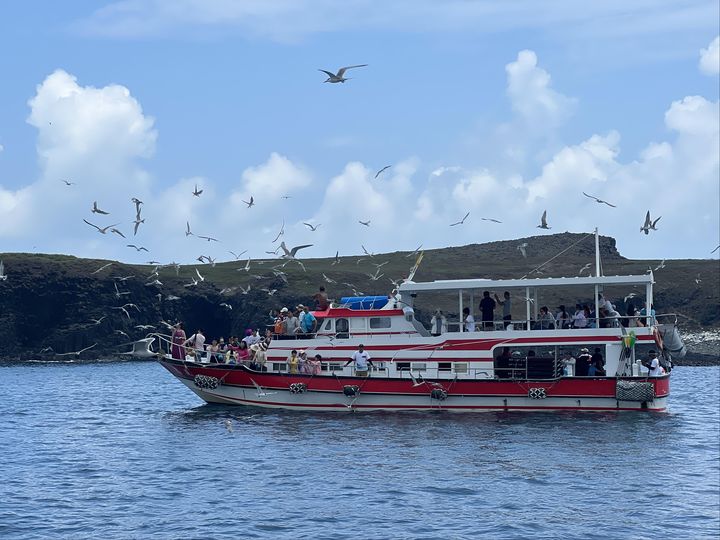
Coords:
pixel 57 302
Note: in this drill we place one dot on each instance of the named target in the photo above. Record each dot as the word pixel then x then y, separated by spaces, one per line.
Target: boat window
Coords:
pixel 342 329
pixel 444 366
pixel 357 323
pixel 328 324
pixel 279 366
pixel 331 367
pixel 419 366
pixel 402 366
pixel 379 322
pixel 461 367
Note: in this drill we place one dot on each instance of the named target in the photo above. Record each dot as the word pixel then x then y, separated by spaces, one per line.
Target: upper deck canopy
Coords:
pixel 480 283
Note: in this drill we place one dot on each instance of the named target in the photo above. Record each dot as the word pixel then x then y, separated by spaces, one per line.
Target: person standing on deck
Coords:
pixel 178 340
pixel 487 308
pixel 197 341
pixel 361 358
pixel 582 364
pixel 438 323
pixel 506 304
pixel 469 320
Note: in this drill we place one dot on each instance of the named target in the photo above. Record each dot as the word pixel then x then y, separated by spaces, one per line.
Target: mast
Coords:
pixel 597 253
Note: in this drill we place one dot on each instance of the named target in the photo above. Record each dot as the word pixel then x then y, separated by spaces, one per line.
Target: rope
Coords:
pixel 556 256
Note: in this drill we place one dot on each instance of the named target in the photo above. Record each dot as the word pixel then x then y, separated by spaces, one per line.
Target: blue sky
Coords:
pixel 502 109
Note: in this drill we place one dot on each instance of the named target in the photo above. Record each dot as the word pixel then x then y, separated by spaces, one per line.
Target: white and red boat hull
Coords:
pixel 238 385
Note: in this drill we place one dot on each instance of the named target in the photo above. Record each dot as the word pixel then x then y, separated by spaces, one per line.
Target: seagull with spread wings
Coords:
pixel 290 253
pixel 250 203
pixel 77 353
pixel 101 230
pixel 313 228
pixel 386 167
pixel 197 191
pixel 138 248
pixel 543 221
pixel 599 201
pixel 103 267
pixel 366 223
pixel 462 221
pixel 96 210
pixel 339 76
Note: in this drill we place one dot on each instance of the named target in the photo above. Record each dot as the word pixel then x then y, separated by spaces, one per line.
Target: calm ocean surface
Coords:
pixel 123 450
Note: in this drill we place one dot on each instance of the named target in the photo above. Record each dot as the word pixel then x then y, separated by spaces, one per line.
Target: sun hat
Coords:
pixel 284 310
pixel 584 350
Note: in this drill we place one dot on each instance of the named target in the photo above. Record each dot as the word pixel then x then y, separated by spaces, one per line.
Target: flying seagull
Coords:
pixel 461 222
pixel 282 231
pixel 543 221
pixel 138 248
pixel 96 210
pixel 236 255
pixel 68 183
pixel 290 254
pixel 339 76
pixel 226 305
pixel 103 267
pixel 586 267
pixel 311 227
pixel 118 294
pixel 600 201
pixel 3 275
pixel 197 191
pixel 208 238
pixel 366 223
pixel 187 229
pixel 649 224
pixel 101 230
pixel 113 230
pixel 336 260
pixel 250 203
pixel 137 223
pixel 417 250
pixel 491 219
pixel 660 266
pixel 199 275
pixel 98 321
pixel 521 249
pixel 386 167
pixel 77 353
pixel 328 280
pixel 714 250
pixel 137 202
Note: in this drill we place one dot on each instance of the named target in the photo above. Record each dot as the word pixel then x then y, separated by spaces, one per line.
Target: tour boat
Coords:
pixel 513 367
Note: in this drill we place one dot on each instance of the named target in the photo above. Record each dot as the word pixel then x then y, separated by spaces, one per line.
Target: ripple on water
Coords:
pixel 88 455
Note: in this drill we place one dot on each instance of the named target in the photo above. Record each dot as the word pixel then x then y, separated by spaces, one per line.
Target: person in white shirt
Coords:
pixel 653 365
pixel 197 342
pixel 469 320
pixel 578 319
pixel 361 358
pixel 438 323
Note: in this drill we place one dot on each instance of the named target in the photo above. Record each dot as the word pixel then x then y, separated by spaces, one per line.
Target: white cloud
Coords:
pixel 2 148
pixel 710 58
pixel 531 95
pixel 96 137
pixel 286 20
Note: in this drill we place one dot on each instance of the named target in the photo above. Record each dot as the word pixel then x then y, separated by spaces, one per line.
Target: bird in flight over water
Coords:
pixel 339 76
pixel 197 191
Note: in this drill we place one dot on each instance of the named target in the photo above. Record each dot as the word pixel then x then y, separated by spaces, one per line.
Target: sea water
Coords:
pixel 123 450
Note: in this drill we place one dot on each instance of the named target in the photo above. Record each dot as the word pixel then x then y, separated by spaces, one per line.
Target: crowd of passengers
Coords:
pixel 250 350
pixel 584 316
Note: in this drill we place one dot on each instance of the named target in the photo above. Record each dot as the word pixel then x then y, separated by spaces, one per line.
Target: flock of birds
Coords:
pixel 288 255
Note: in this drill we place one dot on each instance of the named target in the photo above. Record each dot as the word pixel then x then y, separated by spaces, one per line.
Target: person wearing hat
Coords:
pixel 300 316
pixel 653 364
pixel 260 350
pixel 582 363
pixel 361 358
pixel 302 362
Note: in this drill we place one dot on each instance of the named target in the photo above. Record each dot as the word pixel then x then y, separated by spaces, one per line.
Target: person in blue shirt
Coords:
pixel 309 322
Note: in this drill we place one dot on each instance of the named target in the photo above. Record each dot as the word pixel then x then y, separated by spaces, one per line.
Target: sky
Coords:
pixel 500 109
